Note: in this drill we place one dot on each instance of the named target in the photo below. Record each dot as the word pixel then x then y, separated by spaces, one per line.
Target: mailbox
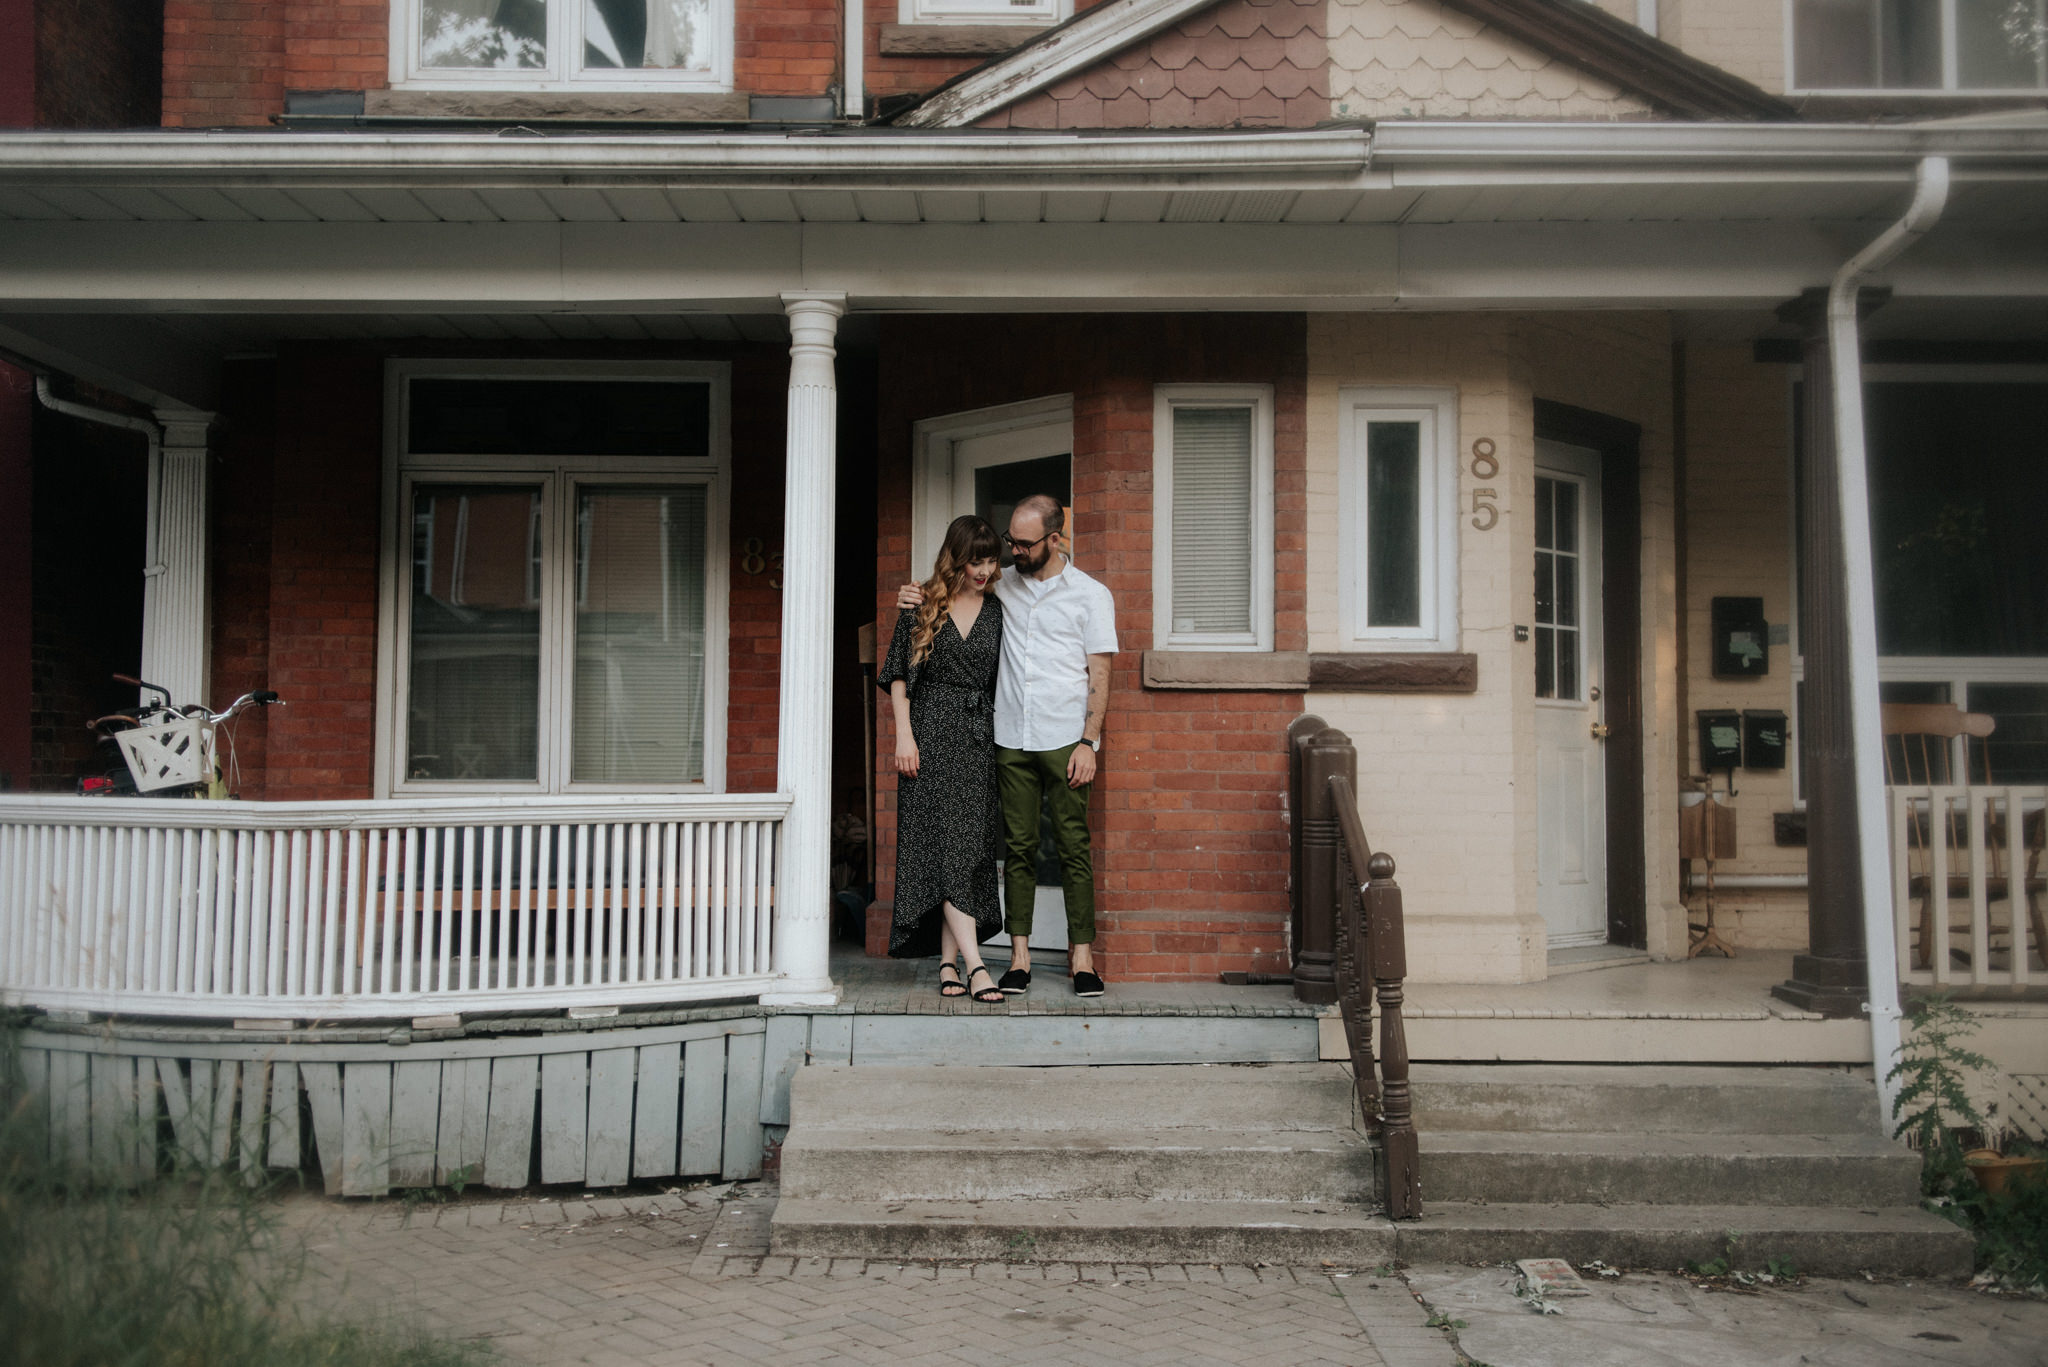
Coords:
pixel 1763 739
pixel 1720 740
pixel 1742 638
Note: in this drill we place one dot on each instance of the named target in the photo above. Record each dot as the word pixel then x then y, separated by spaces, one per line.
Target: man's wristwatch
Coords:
pixel 1095 745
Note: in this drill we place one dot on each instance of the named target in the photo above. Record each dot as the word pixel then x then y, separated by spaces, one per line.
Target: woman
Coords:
pixel 941 677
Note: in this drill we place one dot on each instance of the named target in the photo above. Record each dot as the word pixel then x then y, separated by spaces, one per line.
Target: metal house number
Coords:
pixel 756 558
pixel 1485 508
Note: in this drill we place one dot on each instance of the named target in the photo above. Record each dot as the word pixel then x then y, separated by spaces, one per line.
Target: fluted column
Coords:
pixel 174 608
pixel 803 925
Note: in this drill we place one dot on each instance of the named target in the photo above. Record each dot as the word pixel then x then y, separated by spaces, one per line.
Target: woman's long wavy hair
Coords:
pixel 968 539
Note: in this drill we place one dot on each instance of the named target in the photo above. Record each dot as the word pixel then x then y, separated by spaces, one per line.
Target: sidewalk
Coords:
pixel 682 1280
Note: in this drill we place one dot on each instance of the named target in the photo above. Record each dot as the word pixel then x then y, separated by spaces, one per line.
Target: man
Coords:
pixel 1052 691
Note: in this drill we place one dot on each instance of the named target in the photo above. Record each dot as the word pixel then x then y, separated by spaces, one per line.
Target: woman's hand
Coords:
pixel 906 753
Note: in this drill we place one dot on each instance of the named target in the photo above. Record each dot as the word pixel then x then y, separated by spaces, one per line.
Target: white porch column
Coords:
pixel 174 604
pixel 803 926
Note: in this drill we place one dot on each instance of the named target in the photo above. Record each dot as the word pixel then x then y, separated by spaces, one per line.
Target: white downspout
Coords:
pixel 1845 365
pixel 854 96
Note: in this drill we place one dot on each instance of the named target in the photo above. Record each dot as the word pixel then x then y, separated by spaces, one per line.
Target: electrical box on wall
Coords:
pixel 1763 739
pixel 1742 638
pixel 1720 740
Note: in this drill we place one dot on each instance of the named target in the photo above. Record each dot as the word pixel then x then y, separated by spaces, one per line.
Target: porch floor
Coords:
pixel 869 986
pixel 1706 1010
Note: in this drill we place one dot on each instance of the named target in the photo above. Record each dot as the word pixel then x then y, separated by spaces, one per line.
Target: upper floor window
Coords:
pixel 983 11
pixel 1920 45
pixel 562 44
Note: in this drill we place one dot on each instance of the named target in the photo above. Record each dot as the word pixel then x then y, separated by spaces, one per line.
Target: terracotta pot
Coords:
pixel 1994 1171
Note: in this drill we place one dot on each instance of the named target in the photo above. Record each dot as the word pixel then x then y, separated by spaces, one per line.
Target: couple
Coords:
pixel 999 683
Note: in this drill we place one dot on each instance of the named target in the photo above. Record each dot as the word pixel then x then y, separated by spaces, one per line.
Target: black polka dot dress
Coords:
pixel 949 824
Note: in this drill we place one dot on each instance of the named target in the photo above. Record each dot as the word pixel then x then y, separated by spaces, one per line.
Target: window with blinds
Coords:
pixel 1213 524
pixel 1397 525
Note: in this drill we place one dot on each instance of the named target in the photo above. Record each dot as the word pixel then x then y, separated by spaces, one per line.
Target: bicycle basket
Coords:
pixel 171 755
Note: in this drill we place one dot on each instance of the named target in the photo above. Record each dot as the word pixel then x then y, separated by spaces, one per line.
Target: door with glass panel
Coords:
pixel 992 474
pixel 1571 766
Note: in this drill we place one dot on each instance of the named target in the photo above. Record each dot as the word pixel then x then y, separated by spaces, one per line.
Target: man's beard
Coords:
pixel 1033 560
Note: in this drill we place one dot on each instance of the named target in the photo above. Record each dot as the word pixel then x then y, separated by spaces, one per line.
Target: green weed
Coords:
pixel 191 1269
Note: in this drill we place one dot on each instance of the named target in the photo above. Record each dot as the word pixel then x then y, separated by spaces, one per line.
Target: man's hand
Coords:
pixel 1081 766
pixel 910 596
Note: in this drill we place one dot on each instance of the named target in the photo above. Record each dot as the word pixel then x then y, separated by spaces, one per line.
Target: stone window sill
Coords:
pixel 1284 671
pixel 955 40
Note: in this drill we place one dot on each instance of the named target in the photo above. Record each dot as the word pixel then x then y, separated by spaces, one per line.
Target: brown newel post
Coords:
pixel 1323 754
pixel 1831 976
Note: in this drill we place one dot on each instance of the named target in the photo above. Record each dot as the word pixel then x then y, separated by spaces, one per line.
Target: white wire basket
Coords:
pixel 173 754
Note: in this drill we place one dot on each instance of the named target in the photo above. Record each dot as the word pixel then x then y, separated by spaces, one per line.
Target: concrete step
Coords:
pixel 1183 1164
pixel 1283 1096
pixel 1669 1169
pixel 1830 1241
pixel 1092 1231
pixel 1663 1098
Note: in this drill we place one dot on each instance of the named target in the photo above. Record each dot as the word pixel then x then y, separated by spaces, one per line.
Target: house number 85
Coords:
pixel 1485 509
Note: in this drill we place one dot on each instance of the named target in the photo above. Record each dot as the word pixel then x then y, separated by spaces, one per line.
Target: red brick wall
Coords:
pixel 786 47
pixel 97 63
pixel 242 495
pixel 297 509
pixel 1191 841
pixel 223 62
pixel 336 44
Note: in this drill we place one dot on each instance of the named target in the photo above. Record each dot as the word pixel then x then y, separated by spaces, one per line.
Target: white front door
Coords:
pixel 1571 769
pixel 993 472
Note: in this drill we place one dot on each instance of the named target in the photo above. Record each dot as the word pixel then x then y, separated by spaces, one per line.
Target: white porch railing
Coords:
pixel 1967 883
pixel 332 910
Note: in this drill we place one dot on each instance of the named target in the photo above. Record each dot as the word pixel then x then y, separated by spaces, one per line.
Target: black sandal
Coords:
pixel 953 987
pixel 990 995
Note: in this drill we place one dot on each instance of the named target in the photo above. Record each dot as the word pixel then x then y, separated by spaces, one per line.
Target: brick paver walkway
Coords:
pixel 682 1280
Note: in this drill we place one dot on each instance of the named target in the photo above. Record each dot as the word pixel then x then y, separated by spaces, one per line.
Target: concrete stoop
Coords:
pixel 1648 1167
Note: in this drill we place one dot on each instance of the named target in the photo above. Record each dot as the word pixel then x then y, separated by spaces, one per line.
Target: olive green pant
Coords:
pixel 1025 779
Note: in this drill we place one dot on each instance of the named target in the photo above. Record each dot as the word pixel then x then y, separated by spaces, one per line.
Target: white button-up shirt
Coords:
pixel 1050 628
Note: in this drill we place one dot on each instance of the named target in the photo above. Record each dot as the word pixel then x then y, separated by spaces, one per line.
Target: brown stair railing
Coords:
pixel 1360 920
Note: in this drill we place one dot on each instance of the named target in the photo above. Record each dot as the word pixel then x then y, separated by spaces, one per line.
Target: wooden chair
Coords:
pixel 1920 746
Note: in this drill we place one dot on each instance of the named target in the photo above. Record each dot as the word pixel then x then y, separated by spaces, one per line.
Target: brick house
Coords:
pixel 459 335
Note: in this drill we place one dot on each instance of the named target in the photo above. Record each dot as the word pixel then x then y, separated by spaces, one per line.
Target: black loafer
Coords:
pixel 1015 981
pixel 1086 984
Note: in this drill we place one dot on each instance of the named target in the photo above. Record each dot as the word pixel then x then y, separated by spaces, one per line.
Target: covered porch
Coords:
pixel 146 267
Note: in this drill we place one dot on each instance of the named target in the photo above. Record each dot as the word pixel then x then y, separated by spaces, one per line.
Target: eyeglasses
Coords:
pixel 1019 547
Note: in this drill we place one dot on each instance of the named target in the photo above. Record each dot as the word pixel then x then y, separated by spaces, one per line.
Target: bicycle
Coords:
pixel 167 750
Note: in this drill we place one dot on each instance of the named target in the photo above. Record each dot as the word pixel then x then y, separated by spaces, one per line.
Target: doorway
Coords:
pixel 986 462
pixel 1599 456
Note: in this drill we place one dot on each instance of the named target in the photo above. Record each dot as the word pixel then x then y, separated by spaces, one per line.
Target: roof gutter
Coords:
pixel 1845 367
pixel 598 159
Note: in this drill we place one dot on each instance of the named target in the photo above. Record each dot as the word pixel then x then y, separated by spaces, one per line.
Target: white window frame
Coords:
pixel 1436 409
pixel 1003 13
pixel 563 71
pixel 1947 88
pixel 1166 399
pixel 560 477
